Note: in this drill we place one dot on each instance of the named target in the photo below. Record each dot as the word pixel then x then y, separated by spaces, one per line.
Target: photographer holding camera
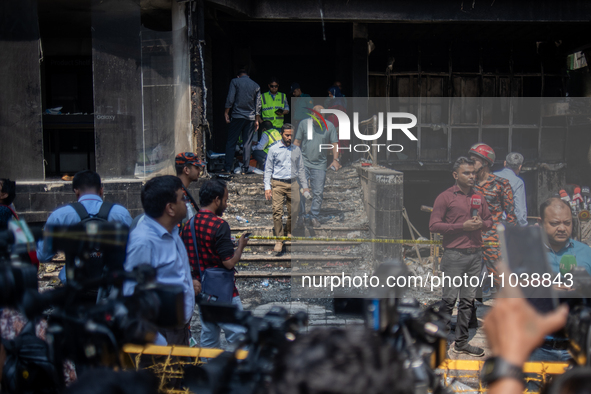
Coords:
pixel 156 241
pixel 208 243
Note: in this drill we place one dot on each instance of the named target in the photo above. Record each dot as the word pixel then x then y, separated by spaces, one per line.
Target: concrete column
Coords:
pixel 383 200
pixel 183 131
pixel 21 132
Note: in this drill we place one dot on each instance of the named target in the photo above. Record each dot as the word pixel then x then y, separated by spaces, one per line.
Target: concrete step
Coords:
pixel 262 207
pixel 257 261
pixel 257 202
pixel 332 247
pixel 259 189
pixel 281 274
pixel 331 177
pixel 323 231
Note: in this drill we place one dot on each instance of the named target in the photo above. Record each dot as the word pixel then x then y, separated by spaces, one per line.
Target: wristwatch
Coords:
pixel 496 368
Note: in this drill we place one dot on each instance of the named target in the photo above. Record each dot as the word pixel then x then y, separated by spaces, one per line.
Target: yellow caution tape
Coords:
pixel 378 240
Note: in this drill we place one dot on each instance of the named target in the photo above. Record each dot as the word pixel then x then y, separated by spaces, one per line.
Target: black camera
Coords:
pixel 17 273
pixel 264 336
pixel 203 297
pixel 90 333
pixel 91 248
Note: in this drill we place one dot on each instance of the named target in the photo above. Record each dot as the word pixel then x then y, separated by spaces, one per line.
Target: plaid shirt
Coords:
pixel 214 245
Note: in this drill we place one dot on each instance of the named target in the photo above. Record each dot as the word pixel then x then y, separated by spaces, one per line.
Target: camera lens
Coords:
pixel 14 279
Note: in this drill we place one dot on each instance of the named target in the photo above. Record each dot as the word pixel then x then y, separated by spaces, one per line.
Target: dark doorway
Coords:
pixel 67 87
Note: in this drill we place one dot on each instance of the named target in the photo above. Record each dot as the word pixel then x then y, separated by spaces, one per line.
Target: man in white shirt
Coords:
pixel 284 174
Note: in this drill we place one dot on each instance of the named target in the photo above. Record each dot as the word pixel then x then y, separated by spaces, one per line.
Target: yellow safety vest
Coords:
pixel 270 106
pixel 274 137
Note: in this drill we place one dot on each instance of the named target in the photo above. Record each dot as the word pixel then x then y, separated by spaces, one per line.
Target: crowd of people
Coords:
pixel 190 245
pixel 248 110
pixel 467 215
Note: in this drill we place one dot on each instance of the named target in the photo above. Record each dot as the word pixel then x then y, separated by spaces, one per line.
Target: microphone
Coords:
pixel 586 193
pixel 577 198
pixel 567 263
pixel 475 203
pixel 564 196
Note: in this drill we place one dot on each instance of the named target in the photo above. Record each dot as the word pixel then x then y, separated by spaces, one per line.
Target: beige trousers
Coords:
pixel 282 194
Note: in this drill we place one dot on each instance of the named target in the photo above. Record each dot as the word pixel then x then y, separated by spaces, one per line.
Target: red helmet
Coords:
pixel 484 151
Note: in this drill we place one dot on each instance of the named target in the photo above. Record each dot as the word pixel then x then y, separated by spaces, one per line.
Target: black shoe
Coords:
pixel 225 172
pixel 299 223
pixel 468 349
pixel 315 222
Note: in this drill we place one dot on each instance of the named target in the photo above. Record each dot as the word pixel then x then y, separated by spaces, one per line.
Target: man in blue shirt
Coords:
pixel 244 99
pixel 89 192
pixel 156 241
pixel 284 174
pixel 557 222
pixel 513 163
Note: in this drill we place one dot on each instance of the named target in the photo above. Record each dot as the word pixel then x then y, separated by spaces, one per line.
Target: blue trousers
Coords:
pixel 260 156
pixel 210 332
pixel 316 179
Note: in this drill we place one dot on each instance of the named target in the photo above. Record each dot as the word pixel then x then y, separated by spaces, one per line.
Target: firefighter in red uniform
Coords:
pixel 499 196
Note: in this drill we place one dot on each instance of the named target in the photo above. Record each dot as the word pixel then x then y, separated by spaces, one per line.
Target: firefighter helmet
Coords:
pixel 484 151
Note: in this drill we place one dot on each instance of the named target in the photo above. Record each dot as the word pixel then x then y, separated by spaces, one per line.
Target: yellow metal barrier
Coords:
pixel 469 371
pixel 167 363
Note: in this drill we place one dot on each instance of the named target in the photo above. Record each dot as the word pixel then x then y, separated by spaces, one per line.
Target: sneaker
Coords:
pixel 278 247
pixel 468 349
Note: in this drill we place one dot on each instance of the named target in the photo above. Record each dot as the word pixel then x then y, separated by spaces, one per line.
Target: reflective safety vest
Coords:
pixel 274 137
pixel 270 106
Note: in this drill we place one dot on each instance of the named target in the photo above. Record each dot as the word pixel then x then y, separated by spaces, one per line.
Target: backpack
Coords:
pixel 85 217
pixel 96 267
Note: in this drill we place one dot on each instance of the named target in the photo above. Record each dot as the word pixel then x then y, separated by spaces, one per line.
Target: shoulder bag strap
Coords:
pixel 80 210
pixel 191 198
pixel 192 225
pixel 103 213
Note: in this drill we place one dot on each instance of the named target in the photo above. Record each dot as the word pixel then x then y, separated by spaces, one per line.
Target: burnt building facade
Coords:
pixel 121 86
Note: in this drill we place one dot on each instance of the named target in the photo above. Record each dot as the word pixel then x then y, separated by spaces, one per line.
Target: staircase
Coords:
pixel 267 278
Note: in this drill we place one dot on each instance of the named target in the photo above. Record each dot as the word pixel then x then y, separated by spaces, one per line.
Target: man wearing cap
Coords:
pixel 269 138
pixel 244 99
pixel 188 168
pixel 513 163
pixel 301 102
